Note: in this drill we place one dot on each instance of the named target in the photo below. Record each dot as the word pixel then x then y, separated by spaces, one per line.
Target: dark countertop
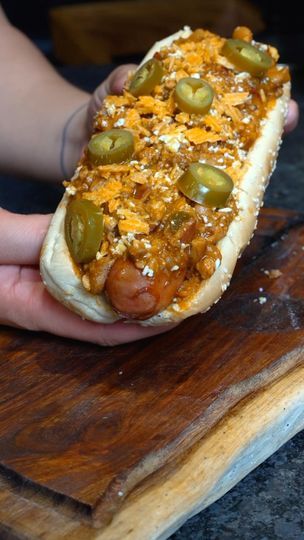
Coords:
pixel 268 503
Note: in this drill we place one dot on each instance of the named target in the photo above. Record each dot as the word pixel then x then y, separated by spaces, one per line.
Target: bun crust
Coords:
pixel 63 281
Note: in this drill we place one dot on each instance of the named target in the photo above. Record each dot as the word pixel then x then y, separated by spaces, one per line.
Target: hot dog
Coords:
pixel 167 193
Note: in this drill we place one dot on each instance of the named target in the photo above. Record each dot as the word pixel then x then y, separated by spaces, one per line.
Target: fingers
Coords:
pixel 21 237
pixel 112 85
pixel 25 303
pixel 118 78
pixel 292 117
pixel 57 320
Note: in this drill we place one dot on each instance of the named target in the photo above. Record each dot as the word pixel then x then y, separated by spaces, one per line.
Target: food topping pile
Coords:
pixel 155 190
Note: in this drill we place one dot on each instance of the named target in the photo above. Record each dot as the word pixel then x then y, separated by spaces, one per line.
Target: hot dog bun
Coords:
pixel 63 280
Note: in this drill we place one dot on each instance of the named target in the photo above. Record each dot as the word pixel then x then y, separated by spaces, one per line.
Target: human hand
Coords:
pixel 25 302
pixel 113 84
pixel 292 117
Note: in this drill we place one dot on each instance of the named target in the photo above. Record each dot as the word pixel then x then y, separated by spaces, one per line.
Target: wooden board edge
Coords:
pixel 208 471
pixel 216 464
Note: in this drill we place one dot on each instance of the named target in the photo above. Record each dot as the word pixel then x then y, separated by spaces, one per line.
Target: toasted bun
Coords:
pixel 60 275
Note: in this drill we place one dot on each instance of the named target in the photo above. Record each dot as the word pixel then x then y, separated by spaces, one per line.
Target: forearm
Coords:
pixel 35 106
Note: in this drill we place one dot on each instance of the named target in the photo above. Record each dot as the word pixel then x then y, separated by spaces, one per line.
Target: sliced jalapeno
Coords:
pixel 113 146
pixel 206 185
pixel 83 230
pixel 247 57
pixel 193 95
pixel 146 78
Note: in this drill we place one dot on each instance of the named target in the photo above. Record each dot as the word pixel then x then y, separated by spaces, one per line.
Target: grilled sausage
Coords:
pixel 137 296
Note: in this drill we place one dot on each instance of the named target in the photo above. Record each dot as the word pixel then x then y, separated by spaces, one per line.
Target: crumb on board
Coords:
pixel 261 299
pixel 274 273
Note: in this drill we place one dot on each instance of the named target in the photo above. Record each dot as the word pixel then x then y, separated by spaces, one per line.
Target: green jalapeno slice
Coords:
pixel 146 78
pixel 193 95
pixel 83 229
pixel 247 57
pixel 206 185
pixel 113 146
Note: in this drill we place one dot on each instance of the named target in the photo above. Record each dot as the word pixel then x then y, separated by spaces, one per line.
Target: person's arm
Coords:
pixel 34 106
pixel 44 119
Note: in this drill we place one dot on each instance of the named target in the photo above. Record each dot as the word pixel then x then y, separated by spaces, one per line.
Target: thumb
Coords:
pixel 21 237
pixel 112 85
pixel 292 117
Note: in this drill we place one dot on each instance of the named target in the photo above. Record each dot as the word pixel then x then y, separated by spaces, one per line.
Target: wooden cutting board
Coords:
pixel 93 440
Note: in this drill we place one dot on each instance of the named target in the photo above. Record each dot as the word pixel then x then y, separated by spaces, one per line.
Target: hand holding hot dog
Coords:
pixel 24 301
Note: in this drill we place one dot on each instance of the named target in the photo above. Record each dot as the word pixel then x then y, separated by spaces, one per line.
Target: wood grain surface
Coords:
pixel 82 426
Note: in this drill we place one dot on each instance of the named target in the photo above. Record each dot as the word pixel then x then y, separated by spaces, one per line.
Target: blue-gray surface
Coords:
pixel 268 503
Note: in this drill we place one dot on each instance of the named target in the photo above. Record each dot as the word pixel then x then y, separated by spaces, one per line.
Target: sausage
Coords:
pixel 137 296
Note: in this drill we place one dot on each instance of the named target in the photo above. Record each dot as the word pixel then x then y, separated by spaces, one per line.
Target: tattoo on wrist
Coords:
pixel 63 168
